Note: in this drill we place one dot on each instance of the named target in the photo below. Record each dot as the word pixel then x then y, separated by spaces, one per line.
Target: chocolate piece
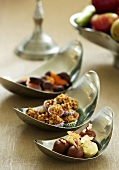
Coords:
pixel 90 133
pixel 23 82
pixel 43 78
pixel 46 85
pixel 76 152
pixel 35 80
pixel 58 88
pixel 65 76
pixel 60 146
pixel 34 86
pixel 48 73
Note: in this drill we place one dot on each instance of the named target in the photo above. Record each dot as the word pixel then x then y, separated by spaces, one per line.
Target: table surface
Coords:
pixel 17 147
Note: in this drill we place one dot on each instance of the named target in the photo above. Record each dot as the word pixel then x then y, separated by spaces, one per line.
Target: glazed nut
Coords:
pixel 56 109
pixel 32 112
pixel 62 98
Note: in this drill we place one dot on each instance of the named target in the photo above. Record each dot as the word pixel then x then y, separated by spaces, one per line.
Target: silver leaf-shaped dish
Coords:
pixel 103 127
pixel 68 60
pixel 86 91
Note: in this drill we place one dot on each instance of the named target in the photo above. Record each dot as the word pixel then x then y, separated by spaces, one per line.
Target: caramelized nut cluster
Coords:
pixel 50 82
pixel 59 111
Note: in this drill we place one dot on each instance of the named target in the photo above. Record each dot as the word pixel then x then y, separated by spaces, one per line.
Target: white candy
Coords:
pixel 89 148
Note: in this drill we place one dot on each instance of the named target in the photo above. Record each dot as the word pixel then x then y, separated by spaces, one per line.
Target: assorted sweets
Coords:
pixel 77 145
pixel 101 16
pixel 60 111
pixel 50 82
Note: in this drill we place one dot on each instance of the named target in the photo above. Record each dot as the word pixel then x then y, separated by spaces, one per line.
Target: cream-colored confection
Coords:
pixel 86 138
pixel 71 140
pixel 90 148
pixel 89 126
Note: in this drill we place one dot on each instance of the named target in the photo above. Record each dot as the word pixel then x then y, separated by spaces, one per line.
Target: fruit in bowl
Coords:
pixel 103 22
pixel 115 30
pixel 84 19
pixel 102 6
pixel 104 15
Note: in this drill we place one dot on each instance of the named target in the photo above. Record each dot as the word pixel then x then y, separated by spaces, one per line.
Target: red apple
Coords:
pixel 105 5
pixel 117 11
pixel 103 22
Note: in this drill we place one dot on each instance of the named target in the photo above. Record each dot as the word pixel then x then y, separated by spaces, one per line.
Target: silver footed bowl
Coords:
pixel 102 125
pixel 68 60
pixel 100 38
pixel 86 91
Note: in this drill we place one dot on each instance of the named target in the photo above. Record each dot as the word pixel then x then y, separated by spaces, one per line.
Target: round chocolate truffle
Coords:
pixel 76 152
pixel 60 146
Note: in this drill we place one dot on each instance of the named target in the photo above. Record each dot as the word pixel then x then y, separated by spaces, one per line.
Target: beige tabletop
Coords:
pixel 17 148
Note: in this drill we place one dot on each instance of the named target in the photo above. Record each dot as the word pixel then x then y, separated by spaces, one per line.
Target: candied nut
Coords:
pixel 41 110
pixel 69 119
pixel 76 115
pixel 51 121
pixel 32 112
pixel 66 107
pixel 41 118
pixel 55 119
pixel 73 103
pixel 56 109
pixel 62 98
pixel 48 103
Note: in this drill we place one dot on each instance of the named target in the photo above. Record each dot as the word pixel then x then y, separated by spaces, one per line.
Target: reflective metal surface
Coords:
pixel 38 45
pixel 103 127
pixel 69 60
pixel 100 38
pixel 86 91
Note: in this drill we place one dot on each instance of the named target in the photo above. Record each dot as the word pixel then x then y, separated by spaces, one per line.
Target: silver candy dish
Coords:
pixel 100 38
pixel 102 125
pixel 68 60
pixel 86 91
